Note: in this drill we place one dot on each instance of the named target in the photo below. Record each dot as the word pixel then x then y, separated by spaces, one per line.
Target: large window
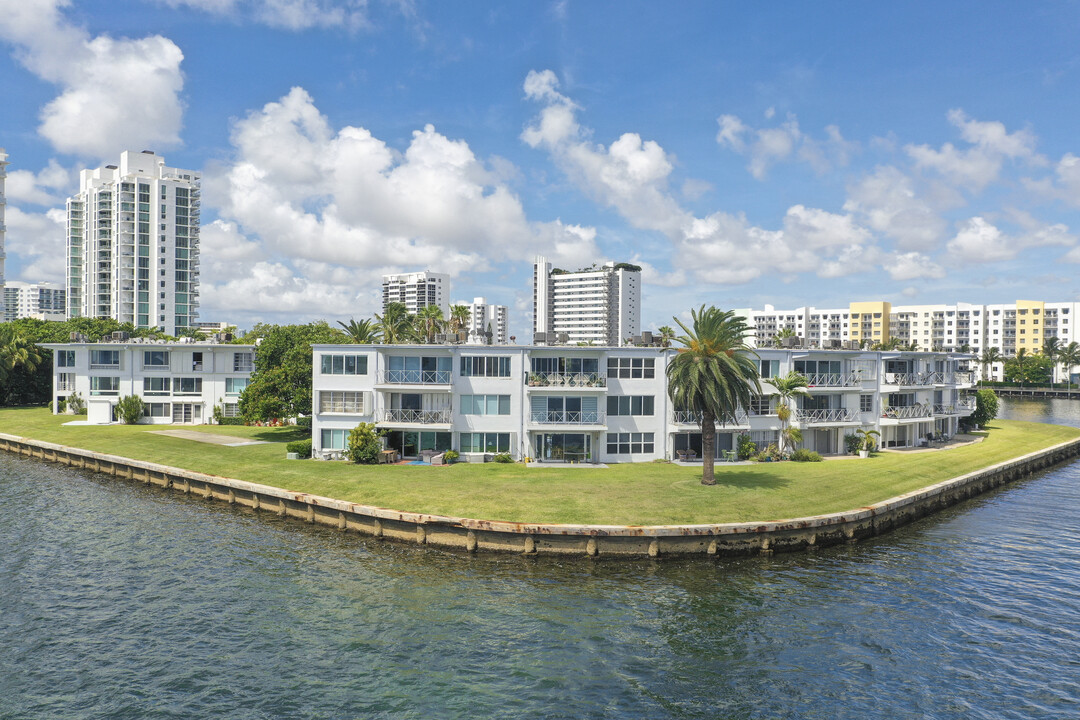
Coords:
pixel 155 359
pixel 627 443
pixel 65 358
pixel 104 385
pixel 158 410
pixel 760 405
pixel 411 369
pixel 769 368
pixel 344 364
pixel 156 386
pixel 187 386
pixel 485 442
pixel 334 439
pixel 567 365
pixel 243 362
pixel 631 367
pixel 104 359
pixel 336 401
pixel 485 366
pixel 485 404
pixel 630 404
pixel 235 386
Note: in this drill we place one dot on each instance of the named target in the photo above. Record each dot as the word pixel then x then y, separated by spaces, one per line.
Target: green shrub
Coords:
pixel 129 409
pixel 304 422
pixel 852 443
pixel 363 445
pixel 804 455
pixel 300 447
pixel 769 454
pixel 76 404
pixel 746 448
pixel 986 407
pixel 231 421
pixel 451 456
pixel 503 458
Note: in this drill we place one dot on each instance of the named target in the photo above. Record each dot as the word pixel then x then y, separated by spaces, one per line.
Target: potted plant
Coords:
pixel 867 442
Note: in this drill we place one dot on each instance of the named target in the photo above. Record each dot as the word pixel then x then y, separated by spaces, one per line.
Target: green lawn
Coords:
pixel 630 494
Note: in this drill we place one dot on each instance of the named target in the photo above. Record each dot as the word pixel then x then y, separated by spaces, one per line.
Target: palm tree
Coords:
pixel 395 325
pixel 787 387
pixel 1069 357
pixel 16 351
pixel 429 321
pixel 1021 359
pixel 714 374
pixel 667 334
pixel 364 332
pixel 1052 348
pixel 990 356
pixel 868 441
pixel 459 317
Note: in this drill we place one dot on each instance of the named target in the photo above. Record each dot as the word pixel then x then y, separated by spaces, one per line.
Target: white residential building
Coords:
pixel 42 301
pixel 610 404
pixel 484 318
pixel 180 382
pixel 417 290
pixel 597 306
pixel 133 244
pixel 3 227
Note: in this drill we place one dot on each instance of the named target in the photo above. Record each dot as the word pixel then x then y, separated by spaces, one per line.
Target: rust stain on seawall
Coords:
pixel 584 541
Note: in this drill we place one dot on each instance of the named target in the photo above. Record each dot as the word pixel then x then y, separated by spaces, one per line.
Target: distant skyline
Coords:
pixel 791 154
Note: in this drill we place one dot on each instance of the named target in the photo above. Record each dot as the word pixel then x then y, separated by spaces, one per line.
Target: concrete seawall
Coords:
pixel 469 535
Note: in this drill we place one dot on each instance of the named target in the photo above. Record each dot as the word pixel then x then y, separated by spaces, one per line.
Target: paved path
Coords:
pixel 226 440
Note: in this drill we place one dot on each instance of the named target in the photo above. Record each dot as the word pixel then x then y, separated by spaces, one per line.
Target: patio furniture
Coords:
pixel 691 455
pixel 388 456
pixel 730 456
pixel 680 455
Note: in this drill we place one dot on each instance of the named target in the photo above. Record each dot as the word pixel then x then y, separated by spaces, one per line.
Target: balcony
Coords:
pixel 414 377
pixel 850 379
pixel 690 417
pixel 909 412
pixel 823 416
pixel 416 417
pixel 566 417
pixel 568 380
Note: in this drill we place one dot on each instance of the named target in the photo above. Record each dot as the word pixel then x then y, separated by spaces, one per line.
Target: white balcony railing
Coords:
pixel 908 412
pixel 848 379
pixel 830 415
pixel 940 409
pixel 572 380
pixel 415 377
pixel 966 405
pixel 419 417
pixel 567 417
pixel 689 417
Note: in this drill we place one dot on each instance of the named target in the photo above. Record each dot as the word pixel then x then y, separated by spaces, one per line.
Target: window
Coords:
pixel 230 410
pixel 104 358
pixel 156 386
pixel 627 443
pixel 485 366
pixel 625 367
pixel 334 439
pixel 565 365
pixel 760 405
pixel 158 410
pixel 187 386
pixel 335 401
pixel 866 403
pixel 344 364
pixel 769 368
pixel 65 358
pixel 243 362
pixel 485 442
pixel 156 359
pixel 196 361
pixel 104 385
pixel 235 386
pixel 630 404
pixel 65 382
pixel 485 404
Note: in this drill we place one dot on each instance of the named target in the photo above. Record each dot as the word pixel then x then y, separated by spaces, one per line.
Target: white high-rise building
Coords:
pixel 484 317
pixel 598 306
pixel 417 290
pixel 43 301
pixel 3 227
pixel 133 244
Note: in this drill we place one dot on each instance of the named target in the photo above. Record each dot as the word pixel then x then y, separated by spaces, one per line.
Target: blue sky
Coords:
pixel 787 153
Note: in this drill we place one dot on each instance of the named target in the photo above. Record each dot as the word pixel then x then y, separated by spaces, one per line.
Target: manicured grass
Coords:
pixel 628 494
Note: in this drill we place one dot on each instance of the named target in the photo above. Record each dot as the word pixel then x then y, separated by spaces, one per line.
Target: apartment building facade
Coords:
pixel 133 244
pixel 485 317
pixel 42 301
pixel 596 306
pixel 610 404
pixel 179 382
pixel 417 290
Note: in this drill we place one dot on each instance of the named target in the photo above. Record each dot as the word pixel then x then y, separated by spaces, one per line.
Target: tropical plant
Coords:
pixel 76 404
pixel 395 324
pixel 986 407
pixel 852 443
pixel 787 388
pixel 504 457
pixel 429 321
pixel 1069 357
pixel 1051 350
pixel 459 317
pixel 745 447
pixel 130 409
pixel 789 438
pixel 1027 369
pixel 451 456
pixel 362 332
pixel 667 334
pixel 868 439
pixel 363 444
pixel 1021 359
pixel 16 351
pixel 714 374
pixel 783 333
pixel 804 455
pixel 989 356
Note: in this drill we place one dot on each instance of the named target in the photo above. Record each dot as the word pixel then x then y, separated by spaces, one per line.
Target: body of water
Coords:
pixel 121 601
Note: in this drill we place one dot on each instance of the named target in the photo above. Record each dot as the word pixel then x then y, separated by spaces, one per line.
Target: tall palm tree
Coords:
pixel 989 356
pixel 16 351
pixel 429 321
pixel 364 332
pixel 788 387
pixel 1021 359
pixel 714 374
pixel 1052 351
pixel 667 334
pixel 395 324
pixel 459 317
pixel 1069 357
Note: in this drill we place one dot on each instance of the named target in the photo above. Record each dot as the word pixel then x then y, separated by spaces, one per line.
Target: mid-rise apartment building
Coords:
pixel 597 306
pixel 610 404
pixel 3 227
pixel 180 382
pixel 417 290
pixel 487 318
pixel 43 301
pixel 133 244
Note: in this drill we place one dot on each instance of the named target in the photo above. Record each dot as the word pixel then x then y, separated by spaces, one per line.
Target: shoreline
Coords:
pixel 628 541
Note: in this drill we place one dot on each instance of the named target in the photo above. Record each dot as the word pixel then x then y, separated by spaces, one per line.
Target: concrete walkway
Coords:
pixel 954 441
pixel 226 440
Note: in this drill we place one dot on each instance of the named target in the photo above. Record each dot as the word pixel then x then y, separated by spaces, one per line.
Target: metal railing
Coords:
pixel 415 377
pixel 946 409
pixel 847 379
pixel 967 405
pixel 567 417
pixel 830 415
pixel 908 412
pixel 571 380
pixel 690 417
pixel 420 417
